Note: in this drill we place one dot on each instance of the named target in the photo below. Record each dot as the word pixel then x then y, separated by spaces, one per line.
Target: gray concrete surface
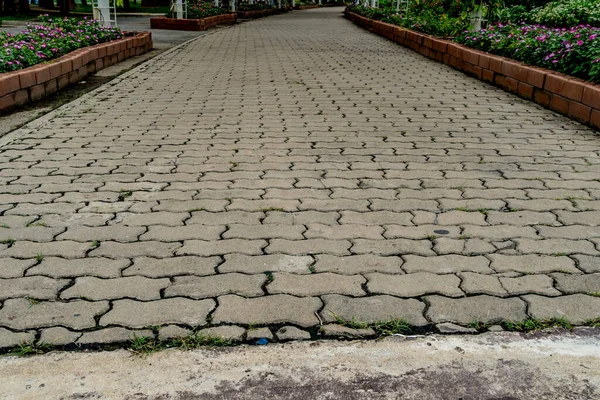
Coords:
pixel 490 366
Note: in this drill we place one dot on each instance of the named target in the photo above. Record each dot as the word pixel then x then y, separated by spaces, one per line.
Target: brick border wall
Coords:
pixel 564 94
pixel 309 7
pixel 260 13
pixel 30 84
pixel 192 24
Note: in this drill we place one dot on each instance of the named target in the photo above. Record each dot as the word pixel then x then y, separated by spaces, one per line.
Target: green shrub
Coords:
pixel 568 13
pixel 574 51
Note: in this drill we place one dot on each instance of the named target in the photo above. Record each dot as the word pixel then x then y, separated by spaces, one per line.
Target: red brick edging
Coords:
pixel 192 24
pixel 260 13
pixel 562 93
pixel 33 83
pixel 308 7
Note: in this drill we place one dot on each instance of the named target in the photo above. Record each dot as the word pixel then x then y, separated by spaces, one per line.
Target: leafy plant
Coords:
pixel 203 9
pixel 574 51
pixel 567 13
pixel 50 39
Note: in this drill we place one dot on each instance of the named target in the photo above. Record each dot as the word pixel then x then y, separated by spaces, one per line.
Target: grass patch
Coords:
pixel 594 323
pixel 123 194
pixel 29 349
pixel 145 346
pixel 382 328
pixel 533 324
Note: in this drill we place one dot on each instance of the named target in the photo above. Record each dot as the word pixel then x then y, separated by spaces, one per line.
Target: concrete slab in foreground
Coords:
pixel 488 366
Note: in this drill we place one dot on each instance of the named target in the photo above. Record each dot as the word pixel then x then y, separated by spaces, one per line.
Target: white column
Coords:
pixel 279 3
pixel 102 13
pixel 293 3
pixel 179 9
pixel 232 5
pixel 216 3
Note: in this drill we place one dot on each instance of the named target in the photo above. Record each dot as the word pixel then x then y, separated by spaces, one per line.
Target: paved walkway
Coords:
pixel 292 171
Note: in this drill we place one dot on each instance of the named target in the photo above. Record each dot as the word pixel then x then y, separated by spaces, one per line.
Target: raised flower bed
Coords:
pixel 48 57
pixel 252 14
pixel 562 93
pixel 201 15
pixel 200 24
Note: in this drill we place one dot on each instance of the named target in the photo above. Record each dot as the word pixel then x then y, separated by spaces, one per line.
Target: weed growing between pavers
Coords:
pixel 147 345
pixel 527 325
pixel 29 349
pixel 381 328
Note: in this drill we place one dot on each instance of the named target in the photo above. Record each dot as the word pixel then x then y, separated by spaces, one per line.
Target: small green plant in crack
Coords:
pixel 123 194
pixel 196 209
pixel 144 345
pixel 39 257
pixel 272 209
pixel 432 237
pixel 560 254
pixel 269 276
pixel 32 301
pixel 464 209
pixel 484 211
pixel 594 294
pixel 95 244
pixel 28 349
pixel 199 340
pixel 533 324
pixel 594 323
pixel 478 325
pixel 9 242
pixel 312 269
pixel 382 328
pixel 43 224
pixel 4 226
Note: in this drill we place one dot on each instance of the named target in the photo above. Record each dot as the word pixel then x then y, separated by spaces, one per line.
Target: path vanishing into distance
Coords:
pixel 287 173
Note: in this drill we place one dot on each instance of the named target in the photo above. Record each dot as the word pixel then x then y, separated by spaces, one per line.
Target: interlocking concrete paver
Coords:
pixel 576 308
pixel 22 314
pixel 280 162
pixel 58 336
pixel 10 339
pixel 112 335
pixel 316 284
pixel 372 309
pixel 414 285
pixel 275 309
pixel 35 287
pixel 14 268
pixel 198 287
pixel 134 287
pixel 140 314
pixel 482 308
pixel 57 267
